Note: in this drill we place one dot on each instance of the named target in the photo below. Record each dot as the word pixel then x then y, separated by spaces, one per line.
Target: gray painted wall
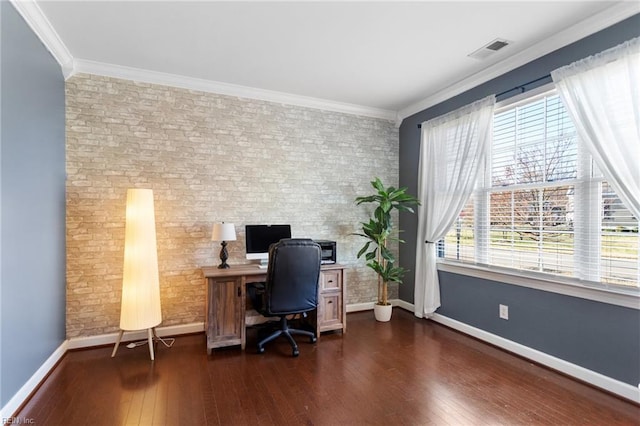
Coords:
pixel 601 337
pixel 597 336
pixel 32 194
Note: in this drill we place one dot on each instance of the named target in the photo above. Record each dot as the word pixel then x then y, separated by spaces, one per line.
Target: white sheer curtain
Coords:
pixel 452 152
pixel 602 95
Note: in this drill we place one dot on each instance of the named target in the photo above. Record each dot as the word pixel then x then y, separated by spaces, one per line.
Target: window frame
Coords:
pixel 620 295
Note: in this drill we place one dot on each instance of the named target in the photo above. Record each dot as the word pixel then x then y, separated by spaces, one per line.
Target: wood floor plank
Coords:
pixel 406 372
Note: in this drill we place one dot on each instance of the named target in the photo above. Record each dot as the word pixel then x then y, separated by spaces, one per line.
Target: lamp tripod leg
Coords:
pixel 115 349
pixel 152 337
pixel 151 333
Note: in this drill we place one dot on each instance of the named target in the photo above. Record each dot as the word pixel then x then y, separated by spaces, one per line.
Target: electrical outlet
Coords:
pixel 504 312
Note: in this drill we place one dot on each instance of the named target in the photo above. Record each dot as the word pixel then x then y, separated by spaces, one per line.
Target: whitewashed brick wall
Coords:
pixel 208 158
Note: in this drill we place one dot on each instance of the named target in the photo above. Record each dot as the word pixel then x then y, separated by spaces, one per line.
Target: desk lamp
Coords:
pixel 223 232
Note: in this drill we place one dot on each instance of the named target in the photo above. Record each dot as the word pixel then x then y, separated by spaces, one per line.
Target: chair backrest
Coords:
pixel 292 276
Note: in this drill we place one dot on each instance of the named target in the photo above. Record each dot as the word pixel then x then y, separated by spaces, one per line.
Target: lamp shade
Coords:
pixel 223 232
pixel 140 308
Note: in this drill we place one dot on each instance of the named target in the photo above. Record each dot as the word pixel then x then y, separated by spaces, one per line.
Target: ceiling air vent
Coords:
pixel 489 49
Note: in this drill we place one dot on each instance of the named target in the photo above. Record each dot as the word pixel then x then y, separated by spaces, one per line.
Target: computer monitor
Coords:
pixel 260 237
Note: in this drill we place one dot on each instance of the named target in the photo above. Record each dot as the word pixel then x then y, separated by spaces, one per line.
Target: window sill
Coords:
pixel 629 298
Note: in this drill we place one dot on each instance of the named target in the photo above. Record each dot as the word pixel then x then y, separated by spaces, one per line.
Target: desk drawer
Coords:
pixel 330 312
pixel 330 280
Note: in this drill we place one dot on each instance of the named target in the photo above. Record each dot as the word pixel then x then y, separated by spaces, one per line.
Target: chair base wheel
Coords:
pixel 285 331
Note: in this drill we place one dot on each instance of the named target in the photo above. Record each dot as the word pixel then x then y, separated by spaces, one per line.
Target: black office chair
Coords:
pixel 291 287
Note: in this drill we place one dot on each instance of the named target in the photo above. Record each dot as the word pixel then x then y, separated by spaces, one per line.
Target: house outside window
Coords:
pixel 542 205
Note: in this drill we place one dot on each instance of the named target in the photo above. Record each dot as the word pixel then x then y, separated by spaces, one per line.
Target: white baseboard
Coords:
pixel 368 306
pixel 107 339
pixel 11 407
pixel 402 304
pixel 357 307
pixel 86 342
pixel 601 381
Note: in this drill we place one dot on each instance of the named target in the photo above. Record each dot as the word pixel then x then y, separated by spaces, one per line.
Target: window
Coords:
pixel 542 205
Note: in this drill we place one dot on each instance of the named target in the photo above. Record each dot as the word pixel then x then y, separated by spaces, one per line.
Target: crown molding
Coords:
pixel 39 24
pixel 32 14
pixel 174 80
pixel 591 25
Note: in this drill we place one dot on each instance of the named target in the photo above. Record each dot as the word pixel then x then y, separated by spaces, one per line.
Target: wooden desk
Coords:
pixel 225 318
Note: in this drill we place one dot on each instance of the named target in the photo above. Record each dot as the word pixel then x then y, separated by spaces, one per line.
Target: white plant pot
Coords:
pixel 382 312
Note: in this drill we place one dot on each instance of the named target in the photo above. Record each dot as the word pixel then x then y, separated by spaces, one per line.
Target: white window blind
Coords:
pixel 545 207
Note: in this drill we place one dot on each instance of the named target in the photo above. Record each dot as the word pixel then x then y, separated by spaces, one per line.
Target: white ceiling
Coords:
pixel 381 57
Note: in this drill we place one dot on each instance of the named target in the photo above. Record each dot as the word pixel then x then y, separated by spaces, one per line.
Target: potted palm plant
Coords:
pixel 378 232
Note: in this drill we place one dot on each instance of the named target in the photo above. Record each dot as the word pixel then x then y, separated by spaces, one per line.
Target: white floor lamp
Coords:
pixel 140 308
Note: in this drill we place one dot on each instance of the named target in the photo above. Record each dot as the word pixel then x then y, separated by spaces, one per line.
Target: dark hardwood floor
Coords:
pixel 406 372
